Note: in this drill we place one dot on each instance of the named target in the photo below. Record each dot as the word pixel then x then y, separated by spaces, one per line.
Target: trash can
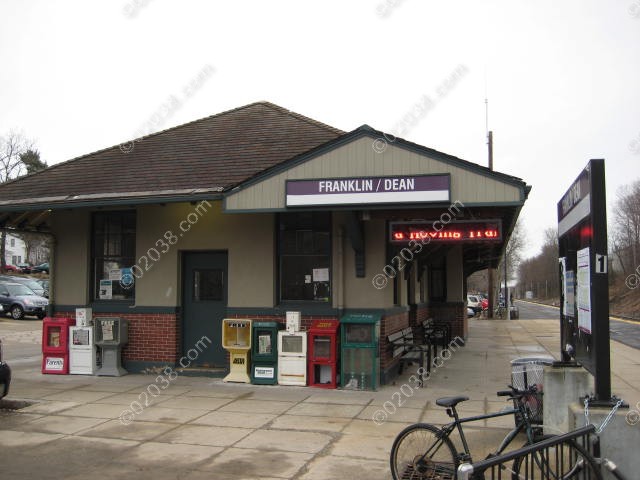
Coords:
pixel 526 372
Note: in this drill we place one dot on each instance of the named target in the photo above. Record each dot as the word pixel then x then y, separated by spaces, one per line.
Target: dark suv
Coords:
pixel 5 376
pixel 18 299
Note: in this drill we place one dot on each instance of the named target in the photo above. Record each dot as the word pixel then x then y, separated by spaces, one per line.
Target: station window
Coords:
pixel 113 249
pixel 304 255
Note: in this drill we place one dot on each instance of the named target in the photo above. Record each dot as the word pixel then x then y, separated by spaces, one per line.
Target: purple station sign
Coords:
pixel 368 190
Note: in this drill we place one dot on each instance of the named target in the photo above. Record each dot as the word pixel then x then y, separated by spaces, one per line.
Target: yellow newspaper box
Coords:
pixel 236 338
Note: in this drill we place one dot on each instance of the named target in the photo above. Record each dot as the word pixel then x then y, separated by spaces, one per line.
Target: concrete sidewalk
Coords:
pixel 192 428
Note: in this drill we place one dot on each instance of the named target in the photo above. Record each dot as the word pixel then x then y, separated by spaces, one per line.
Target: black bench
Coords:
pixel 436 333
pixel 404 346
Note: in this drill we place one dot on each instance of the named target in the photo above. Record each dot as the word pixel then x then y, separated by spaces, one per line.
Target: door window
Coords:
pixel 208 285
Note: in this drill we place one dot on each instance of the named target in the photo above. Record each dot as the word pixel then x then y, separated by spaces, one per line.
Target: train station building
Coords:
pixel 257 211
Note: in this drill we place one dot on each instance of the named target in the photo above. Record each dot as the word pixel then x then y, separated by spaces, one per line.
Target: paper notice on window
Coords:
pixel 584 290
pixel 115 274
pixel 106 290
pixel 307 279
pixel 320 274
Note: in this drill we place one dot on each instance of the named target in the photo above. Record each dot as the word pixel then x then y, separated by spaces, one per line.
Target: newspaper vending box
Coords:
pixel 55 345
pixel 323 353
pixel 111 337
pixel 264 353
pixel 236 338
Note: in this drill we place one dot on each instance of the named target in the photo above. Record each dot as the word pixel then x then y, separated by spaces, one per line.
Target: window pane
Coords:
pixel 113 242
pixel 305 246
pixel 298 282
pixel 119 290
pixel 208 285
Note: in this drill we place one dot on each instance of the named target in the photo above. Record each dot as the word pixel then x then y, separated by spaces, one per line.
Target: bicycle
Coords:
pixel 425 451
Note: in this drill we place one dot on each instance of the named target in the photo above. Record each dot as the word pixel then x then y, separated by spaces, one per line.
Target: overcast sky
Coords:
pixel 562 77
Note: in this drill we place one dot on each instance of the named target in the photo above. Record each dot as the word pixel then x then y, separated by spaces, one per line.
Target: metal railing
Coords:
pixel 501 466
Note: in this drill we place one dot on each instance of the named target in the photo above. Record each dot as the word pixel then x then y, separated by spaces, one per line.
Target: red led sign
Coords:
pixel 426 232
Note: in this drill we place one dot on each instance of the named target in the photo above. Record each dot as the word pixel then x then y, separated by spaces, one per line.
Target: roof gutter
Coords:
pixel 107 200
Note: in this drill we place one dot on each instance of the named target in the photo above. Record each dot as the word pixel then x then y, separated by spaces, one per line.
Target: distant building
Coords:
pixel 15 251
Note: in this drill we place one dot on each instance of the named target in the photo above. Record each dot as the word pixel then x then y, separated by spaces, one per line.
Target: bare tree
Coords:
pixel 626 227
pixel 515 246
pixel 479 280
pixel 12 146
pixel 540 273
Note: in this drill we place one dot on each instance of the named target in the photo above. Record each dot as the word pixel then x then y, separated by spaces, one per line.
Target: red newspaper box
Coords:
pixel 323 354
pixel 55 345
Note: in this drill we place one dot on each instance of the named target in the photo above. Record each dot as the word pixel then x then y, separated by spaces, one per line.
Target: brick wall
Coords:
pixel 453 313
pixel 390 324
pixel 423 312
pixel 153 337
pixel 305 321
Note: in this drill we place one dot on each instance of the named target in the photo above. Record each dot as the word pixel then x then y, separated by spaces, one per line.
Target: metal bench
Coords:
pixel 404 346
pixel 436 333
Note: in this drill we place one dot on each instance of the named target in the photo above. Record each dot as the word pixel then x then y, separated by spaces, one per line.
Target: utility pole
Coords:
pixel 491 270
pixel 506 288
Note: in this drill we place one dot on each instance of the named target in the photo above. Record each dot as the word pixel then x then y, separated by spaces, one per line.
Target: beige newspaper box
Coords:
pixel 236 338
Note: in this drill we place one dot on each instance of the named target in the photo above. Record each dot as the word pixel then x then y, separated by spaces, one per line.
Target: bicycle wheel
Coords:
pixel 566 461
pixel 421 451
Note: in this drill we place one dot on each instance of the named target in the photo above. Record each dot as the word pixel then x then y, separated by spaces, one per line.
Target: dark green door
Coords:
pixel 204 305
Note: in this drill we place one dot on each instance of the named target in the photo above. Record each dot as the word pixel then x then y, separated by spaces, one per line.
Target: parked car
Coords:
pixel 42 268
pixel 24 267
pixel 44 283
pixel 11 268
pixel 28 281
pixel 5 375
pixel 470 312
pixel 484 302
pixel 18 300
pixel 473 301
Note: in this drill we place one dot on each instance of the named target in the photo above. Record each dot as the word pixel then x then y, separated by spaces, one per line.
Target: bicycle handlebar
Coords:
pixel 514 392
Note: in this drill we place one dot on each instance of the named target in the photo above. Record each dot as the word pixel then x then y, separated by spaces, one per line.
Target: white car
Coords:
pixel 474 302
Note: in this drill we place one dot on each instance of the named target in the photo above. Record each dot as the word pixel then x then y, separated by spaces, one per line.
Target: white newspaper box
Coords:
pixel 82 351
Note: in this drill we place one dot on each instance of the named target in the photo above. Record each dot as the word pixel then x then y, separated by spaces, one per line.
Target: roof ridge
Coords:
pixel 299 116
pixel 265 103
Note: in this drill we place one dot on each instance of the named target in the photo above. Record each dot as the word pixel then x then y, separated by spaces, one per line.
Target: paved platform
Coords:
pixel 192 428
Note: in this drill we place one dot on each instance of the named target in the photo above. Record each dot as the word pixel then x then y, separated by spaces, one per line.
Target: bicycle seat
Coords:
pixel 451 401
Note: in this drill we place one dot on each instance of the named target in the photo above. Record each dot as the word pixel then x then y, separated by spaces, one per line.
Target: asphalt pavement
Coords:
pixel 624 331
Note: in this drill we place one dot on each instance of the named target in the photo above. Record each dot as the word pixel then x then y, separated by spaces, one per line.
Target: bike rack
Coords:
pixel 468 471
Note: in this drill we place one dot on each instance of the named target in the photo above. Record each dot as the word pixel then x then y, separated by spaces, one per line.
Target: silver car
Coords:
pixel 28 281
pixel 18 300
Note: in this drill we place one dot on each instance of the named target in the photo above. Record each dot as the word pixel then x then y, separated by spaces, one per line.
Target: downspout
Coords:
pixel 340 272
pixel 52 264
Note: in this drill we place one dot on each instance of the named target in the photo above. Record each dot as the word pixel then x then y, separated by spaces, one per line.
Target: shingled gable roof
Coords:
pixel 203 157
pixel 380 136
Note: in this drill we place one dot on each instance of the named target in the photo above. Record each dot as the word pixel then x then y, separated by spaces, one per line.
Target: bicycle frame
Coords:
pixel 523 425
